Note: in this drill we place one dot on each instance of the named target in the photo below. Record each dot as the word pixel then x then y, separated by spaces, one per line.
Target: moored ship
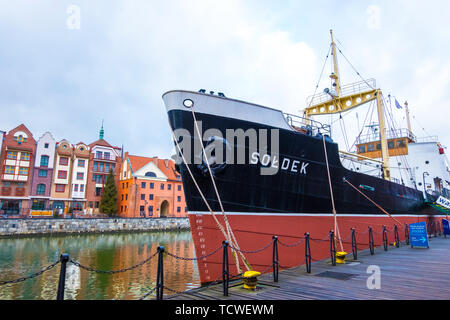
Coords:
pixel 292 178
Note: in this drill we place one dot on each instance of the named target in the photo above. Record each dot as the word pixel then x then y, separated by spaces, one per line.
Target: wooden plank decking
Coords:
pixel 406 273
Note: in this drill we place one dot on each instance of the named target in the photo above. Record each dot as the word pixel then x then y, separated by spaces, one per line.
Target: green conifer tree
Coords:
pixel 108 204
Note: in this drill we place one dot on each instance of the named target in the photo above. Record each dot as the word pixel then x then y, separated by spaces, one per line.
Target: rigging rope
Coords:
pixel 336 228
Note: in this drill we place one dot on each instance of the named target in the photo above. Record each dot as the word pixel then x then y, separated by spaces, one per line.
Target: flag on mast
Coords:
pixel 397 104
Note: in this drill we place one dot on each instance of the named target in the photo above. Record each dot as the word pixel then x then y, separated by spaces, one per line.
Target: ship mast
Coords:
pixel 354 96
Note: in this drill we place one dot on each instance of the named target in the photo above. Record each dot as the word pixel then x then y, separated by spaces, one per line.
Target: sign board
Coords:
pixel 446 226
pixel 41 213
pixel 418 235
pixel 443 202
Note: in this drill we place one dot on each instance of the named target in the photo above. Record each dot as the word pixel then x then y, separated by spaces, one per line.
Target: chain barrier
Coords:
pixel 275 259
pixel 307 253
pixel 31 276
pixel 332 248
pixel 252 251
pixel 385 239
pixel 147 294
pixel 371 242
pixel 197 258
pixel 354 245
pixel 291 245
pixel 113 271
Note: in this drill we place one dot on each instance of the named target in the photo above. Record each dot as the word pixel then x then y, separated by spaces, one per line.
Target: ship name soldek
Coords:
pixel 287 164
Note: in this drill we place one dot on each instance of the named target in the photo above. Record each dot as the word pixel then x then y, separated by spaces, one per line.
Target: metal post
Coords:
pixel 275 263
pixel 332 249
pixel 160 274
pixel 385 239
pixel 407 234
pixel 307 253
pixel 62 276
pixel 396 236
pixel 225 269
pixel 354 245
pixel 371 243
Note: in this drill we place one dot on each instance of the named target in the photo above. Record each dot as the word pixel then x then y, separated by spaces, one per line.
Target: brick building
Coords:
pixel 150 187
pixel 43 172
pixel 17 158
pixel 103 157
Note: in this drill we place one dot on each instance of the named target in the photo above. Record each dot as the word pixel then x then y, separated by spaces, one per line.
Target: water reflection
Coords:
pixel 20 257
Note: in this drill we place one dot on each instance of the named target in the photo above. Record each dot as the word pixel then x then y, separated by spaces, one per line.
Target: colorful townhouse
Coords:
pixel 103 157
pixel 150 188
pixel 43 172
pixel 17 158
pixel 79 177
pixel 62 174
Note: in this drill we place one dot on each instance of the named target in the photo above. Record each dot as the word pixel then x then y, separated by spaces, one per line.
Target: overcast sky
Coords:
pixel 65 75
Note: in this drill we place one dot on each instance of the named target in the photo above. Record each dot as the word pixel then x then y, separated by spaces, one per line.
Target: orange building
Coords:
pixel 150 188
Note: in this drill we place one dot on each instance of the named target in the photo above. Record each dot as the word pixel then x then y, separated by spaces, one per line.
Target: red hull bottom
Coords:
pixel 255 231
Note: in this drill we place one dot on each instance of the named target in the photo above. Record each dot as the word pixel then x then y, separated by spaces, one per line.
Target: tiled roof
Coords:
pixel 138 162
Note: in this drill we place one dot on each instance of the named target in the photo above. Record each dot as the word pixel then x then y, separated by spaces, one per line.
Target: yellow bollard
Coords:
pixel 340 256
pixel 250 279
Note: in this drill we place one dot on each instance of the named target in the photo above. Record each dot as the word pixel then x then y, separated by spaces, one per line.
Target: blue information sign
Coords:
pixel 418 234
pixel 446 227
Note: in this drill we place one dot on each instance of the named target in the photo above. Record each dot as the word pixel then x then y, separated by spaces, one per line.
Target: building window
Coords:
pixel 60 188
pixel 179 199
pixel 123 185
pixel 98 191
pixel 162 186
pixel 80 175
pixel 143 185
pixel 141 210
pixel 152 185
pixel 122 197
pixel 44 161
pixel 23 171
pixel 106 167
pixel 125 208
pixel 62 174
pixel 391 145
pixel 150 196
pixel 91 204
pixel 81 163
pixel 124 174
pixel 179 188
pixel 63 161
pixel 126 196
pixel 96 204
pixel 9 169
pixel 46 146
pixel 20 184
pixel 75 187
pixel 40 189
pixel 142 196
pixel 12 155
pixel 81 187
pixel 25 156
pixel 150 174
pixel 169 187
pixel 100 167
pixel 98 155
pixel 370 147
pixel 178 209
pixel 121 208
pixel 95 166
pixel 150 210
pixel 378 146
pixel 362 149
pixel 127 185
pixel 106 155
pixel 42 173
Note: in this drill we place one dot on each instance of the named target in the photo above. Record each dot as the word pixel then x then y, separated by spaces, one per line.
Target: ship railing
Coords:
pixel 427 139
pixel 390 134
pixel 307 126
pixel 346 90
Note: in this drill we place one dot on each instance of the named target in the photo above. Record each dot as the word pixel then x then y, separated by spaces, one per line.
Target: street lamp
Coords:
pixel 424 187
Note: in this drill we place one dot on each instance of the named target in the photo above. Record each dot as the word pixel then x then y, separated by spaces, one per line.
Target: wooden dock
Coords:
pixel 406 274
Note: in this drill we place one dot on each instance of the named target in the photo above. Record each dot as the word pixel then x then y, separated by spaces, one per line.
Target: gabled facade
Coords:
pixel 103 157
pixel 150 188
pixel 17 158
pixel 43 172
pixel 79 176
pixel 62 176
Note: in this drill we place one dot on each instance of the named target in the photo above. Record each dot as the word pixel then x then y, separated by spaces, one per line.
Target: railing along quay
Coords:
pixel 435 228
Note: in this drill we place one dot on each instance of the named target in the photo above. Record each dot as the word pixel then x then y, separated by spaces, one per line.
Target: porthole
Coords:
pixel 188 103
pixel 427 162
